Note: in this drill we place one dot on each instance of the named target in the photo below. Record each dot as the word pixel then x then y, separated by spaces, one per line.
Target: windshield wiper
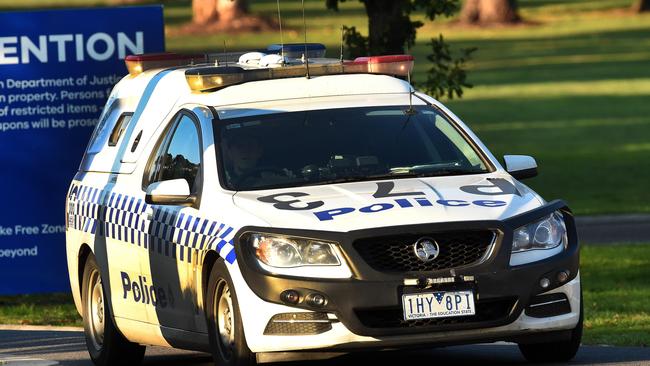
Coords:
pixel 424 168
pixel 414 172
pixel 360 178
pixel 432 170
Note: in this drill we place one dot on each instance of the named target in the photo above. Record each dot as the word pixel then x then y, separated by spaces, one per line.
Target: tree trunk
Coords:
pixel 489 11
pixel 387 26
pixel 231 9
pixel 641 5
pixel 210 11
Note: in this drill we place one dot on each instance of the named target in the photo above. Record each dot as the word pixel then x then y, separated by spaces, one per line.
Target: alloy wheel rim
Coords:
pixel 225 319
pixel 95 309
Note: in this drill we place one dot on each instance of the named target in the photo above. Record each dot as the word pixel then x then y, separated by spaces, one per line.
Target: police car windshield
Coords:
pixel 341 145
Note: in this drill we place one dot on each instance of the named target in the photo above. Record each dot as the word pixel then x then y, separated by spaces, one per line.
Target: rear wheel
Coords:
pixel 105 343
pixel 556 351
pixel 227 340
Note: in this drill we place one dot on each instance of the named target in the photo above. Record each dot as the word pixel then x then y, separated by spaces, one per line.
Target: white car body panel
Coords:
pixel 155 97
pixel 456 205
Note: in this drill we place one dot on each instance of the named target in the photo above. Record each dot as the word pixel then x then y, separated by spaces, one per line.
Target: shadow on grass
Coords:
pixel 580 5
pixel 562 72
pixel 581 57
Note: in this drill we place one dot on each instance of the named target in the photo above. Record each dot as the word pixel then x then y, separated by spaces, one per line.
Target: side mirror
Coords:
pixel 170 192
pixel 521 166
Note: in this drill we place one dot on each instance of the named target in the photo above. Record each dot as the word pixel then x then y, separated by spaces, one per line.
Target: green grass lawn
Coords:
pixel 571 86
pixel 614 278
pixel 47 309
pixel 616 294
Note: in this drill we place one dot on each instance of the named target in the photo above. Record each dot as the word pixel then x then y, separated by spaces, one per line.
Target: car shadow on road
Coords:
pixel 69 348
pixel 491 354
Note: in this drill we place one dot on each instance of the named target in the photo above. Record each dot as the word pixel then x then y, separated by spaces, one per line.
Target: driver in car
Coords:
pixel 241 157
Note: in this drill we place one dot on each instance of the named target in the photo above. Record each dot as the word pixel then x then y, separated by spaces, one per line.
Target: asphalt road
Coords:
pixel 41 348
pixel 614 229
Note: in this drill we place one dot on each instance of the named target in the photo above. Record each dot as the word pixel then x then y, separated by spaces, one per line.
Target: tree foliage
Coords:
pixel 390 24
pixel 391 31
pixel 447 76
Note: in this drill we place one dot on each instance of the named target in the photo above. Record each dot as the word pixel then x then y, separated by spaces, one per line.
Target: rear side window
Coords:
pixel 119 128
pixel 101 134
pixel 179 155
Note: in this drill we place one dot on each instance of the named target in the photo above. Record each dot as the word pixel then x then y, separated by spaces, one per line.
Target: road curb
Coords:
pixel 40 328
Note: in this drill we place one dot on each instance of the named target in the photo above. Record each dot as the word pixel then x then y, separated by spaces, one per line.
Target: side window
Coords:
pixel 179 156
pixel 119 128
pixel 101 133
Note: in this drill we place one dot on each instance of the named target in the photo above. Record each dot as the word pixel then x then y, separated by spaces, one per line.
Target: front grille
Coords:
pixel 396 254
pixel 298 324
pixel 486 311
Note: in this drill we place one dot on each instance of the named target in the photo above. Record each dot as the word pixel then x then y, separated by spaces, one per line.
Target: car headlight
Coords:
pixel 539 240
pixel 295 256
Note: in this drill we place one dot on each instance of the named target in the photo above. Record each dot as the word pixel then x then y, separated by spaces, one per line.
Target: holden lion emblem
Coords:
pixel 426 249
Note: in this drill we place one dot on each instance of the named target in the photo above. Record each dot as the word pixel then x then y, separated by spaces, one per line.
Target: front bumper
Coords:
pixel 368 305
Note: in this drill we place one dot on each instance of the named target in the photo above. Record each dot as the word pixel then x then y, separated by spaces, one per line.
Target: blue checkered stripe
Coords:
pixel 169 233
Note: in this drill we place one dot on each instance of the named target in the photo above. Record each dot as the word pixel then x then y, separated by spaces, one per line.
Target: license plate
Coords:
pixel 438 304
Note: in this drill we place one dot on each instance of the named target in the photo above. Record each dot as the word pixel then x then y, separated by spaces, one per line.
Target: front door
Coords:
pixel 170 262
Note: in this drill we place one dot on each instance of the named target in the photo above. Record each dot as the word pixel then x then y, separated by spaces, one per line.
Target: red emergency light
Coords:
pixel 137 64
pixel 400 65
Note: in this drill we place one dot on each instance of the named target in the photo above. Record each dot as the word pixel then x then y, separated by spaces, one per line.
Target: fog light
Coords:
pixel 316 300
pixel 544 282
pixel 290 296
pixel 562 276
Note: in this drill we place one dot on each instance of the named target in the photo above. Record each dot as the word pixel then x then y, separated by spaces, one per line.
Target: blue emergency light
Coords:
pixel 296 50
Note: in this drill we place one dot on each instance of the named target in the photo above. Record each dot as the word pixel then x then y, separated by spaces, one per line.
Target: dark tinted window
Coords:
pixel 119 128
pixel 179 156
pixel 326 146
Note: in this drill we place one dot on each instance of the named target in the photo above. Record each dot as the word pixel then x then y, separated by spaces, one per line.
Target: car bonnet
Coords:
pixel 363 205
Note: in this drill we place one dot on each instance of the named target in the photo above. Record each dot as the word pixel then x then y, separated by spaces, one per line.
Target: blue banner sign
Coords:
pixel 57 68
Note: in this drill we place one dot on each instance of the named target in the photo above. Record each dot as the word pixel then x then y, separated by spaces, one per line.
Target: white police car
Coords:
pixel 244 209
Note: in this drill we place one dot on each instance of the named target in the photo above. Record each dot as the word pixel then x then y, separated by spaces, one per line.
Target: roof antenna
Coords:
pixel 304 25
pixel 342 36
pixel 225 53
pixel 411 111
pixel 281 38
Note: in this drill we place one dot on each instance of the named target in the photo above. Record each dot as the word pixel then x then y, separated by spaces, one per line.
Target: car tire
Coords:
pixel 106 345
pixel 225 329
pixel 562 351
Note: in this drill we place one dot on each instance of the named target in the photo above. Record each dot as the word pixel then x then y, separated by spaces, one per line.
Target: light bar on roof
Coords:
pixel 211 78
pixel 137 64
pixel 390 64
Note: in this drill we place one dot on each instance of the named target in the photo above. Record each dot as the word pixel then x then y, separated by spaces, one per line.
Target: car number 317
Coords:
pixel 438 304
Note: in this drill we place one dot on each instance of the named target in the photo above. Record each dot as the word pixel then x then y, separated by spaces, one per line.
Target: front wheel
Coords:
pixel 227 340
pixel 106 345
pixel 562 351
